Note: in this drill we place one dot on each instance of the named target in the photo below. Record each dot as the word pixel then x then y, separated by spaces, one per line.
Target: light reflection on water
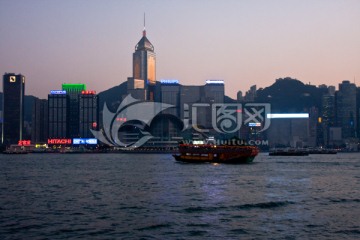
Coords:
pixel 60 196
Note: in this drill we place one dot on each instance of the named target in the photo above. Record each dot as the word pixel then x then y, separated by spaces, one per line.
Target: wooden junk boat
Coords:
pixel 197 153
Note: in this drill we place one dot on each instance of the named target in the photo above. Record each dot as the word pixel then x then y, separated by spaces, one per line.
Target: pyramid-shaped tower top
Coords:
pixel 144 44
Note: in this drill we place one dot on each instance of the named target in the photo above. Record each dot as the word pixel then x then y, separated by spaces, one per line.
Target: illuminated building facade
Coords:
pixel 136 87
pixel 88 113
pixel 143 80
pixel 13 108
pixel 73 90
pixel 58 110
pixel 73 111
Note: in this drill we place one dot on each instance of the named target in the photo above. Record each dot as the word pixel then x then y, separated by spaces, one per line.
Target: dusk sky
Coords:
pixel 243 42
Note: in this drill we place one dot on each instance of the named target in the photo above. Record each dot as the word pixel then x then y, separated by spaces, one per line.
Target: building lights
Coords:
pixel 57 92
pixel 59 141
pixel 92 141
pixel 169 81
pixel 287 115
pixel 214 81
pixel 87 92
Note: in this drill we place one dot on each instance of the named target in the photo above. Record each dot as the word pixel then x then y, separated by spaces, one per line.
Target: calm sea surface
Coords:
pixel 138 196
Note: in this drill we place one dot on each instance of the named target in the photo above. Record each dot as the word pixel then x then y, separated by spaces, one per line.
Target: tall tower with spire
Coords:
pixel 144 65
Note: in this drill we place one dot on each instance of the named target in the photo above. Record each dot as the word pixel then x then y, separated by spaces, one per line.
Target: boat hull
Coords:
pixel 216 154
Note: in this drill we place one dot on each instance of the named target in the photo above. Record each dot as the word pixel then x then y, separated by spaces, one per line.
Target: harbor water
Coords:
pixel 151 196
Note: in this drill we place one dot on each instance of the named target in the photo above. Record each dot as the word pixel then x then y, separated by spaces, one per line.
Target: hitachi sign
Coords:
pixel 59 141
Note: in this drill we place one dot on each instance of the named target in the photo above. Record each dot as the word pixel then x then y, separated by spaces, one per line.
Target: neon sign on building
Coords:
pixel 87 92
pixel 24 142
pixel 59 141
pixel 169 81
pixel 84 141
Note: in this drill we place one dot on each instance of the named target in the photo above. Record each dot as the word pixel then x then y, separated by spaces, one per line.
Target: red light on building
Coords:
pixel 24 142
pixel 60 141
pixel 119 119
pixel 94 124
pixel 87 92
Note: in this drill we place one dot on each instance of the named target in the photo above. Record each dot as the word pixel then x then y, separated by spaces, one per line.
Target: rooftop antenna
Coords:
pixel 144 31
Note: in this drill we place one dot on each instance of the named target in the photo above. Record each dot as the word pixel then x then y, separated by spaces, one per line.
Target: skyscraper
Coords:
pixel 202 97
pixel 346 109
pixel 144 68
pixel 214 91
pixel 328 116
pixel 73 111
pixel 89 113
pixel 239 96
pixel 39 129
pixel 58 105
pixel 251 94
pixel 170 94
pixel 73 90
pixel 13 108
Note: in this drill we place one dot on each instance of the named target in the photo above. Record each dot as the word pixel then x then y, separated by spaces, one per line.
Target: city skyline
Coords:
pixel 244 43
